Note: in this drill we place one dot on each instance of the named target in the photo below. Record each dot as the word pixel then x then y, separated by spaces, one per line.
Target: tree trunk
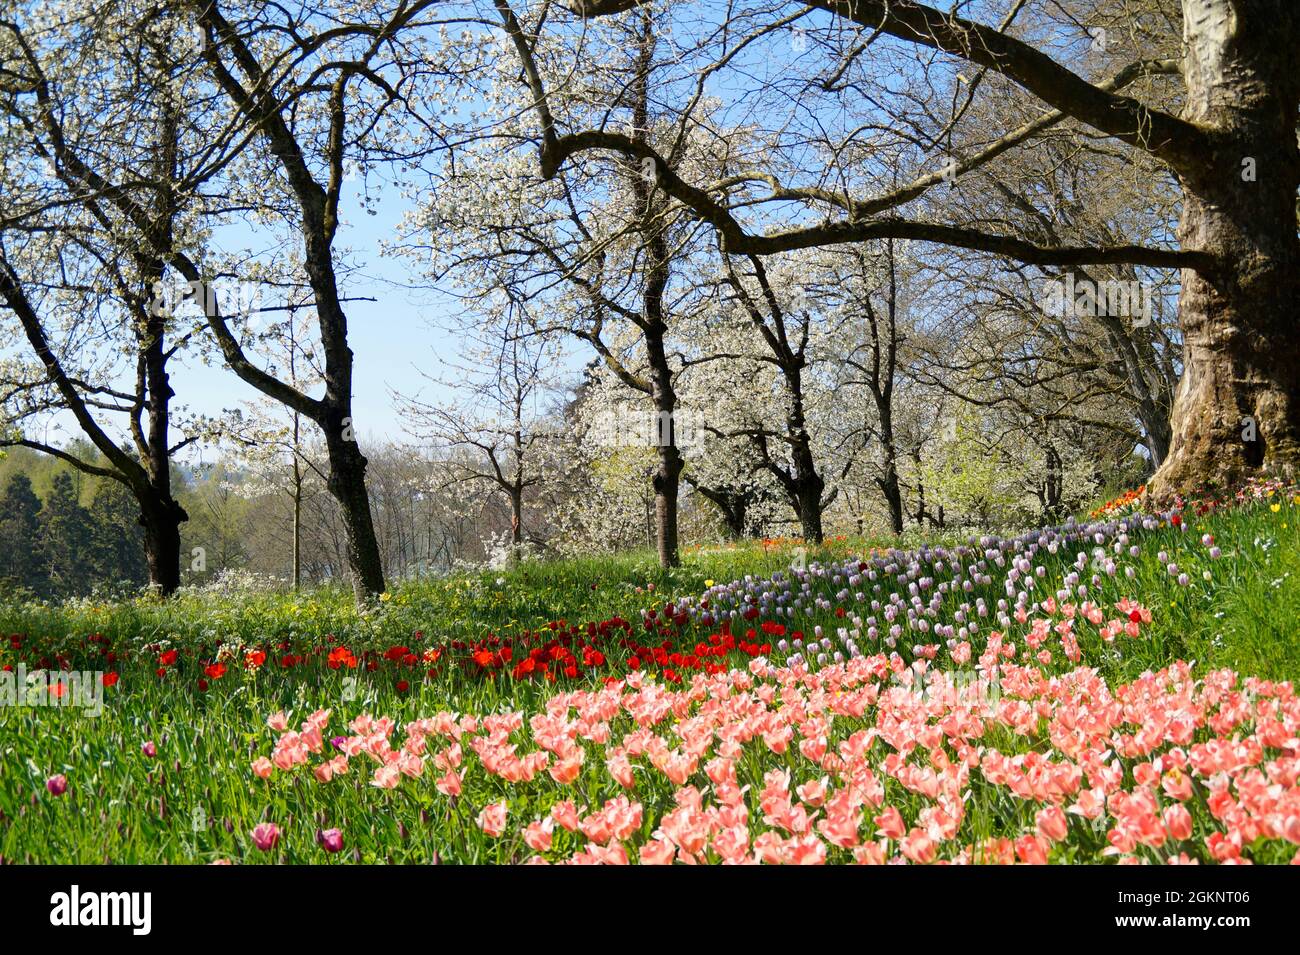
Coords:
pixel 807 484
pixel 734 506
pixel 667 483
pixel 810 510
pixel 297 537
pixel 162 544
pixel 735 517
pixel 347 483
pixel 297 489
pixel 888 481
pixel 161 515
pixel 667 476
pixel 516 515
pixel 893 493
pixel 1053 486
pixel 1237 410
pixel 654 324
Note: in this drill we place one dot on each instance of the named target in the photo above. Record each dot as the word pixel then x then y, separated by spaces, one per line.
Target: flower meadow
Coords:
pixel 1117 690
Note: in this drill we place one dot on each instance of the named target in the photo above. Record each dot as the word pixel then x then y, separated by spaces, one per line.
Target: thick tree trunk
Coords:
pixel 893 494
pixel 1053 487
pixel 347 483
pixel 297 490
pixel 667 484
pixel 1237 410
pixel 654 327
pixel 807 484
pixel 735 517
pixel 162 544
pixel 809 497
pixel 667 476
pixel 347 474
pixel 888 481
pixel 161 514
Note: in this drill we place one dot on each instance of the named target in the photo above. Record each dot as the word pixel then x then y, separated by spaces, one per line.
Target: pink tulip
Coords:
pixel 1178 822
pixel 448 784
pixel 538 834
pixel 566 814
pixel 890 822
pixel 1052 824
pixel 492 819
pixel 266 835
pixel 657 852
pixel 149 749
pixel 331 840
pixel 1031 850
pixel 57 785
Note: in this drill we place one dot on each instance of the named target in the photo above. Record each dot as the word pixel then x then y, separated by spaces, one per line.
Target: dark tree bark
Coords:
pixel 516 516
pixel 319 209
pixel 669 462
pixel 893 494
pixel 801 480
pixel 162 544
pixel 347 483
pixel 1052 488
pixel 667 476
pixel 878 369
pixel 806 484
pixel 734 505
pixel 161 515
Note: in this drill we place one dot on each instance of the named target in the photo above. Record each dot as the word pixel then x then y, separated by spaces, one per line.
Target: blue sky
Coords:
pixel 394 339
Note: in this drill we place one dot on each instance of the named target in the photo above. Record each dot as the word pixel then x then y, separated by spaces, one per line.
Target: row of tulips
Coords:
pixel 868 760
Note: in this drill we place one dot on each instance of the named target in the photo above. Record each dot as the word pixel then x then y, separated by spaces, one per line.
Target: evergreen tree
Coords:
pixel 22 554
pixel 116 537
pixel 66 528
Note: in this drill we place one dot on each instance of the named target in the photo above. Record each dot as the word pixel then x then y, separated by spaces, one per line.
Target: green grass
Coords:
pixel 460 606
pixel 198 801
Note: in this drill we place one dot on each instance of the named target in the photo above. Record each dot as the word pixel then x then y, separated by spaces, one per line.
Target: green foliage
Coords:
pixel 116 552
pixel 66 534
pixel 22 556
pixel 60 547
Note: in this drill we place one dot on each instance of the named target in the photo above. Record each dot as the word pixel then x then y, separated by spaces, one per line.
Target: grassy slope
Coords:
pixel 197 800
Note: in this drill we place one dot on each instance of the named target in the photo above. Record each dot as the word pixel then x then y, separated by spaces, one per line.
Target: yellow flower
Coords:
pixel 1275 508
pixel 708 583
pixel 385 597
